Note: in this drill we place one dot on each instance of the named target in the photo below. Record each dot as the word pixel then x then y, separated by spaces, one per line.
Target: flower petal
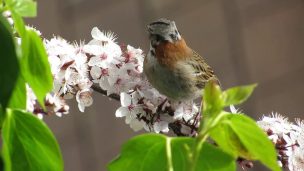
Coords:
pixel 121 112
pixel 97 34
pixel 95 72
pixel 136 125
pixel 161 126
pixel 81 107
pixel 125 99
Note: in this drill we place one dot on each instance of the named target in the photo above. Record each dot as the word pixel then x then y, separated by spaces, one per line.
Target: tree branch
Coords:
pixel 104 92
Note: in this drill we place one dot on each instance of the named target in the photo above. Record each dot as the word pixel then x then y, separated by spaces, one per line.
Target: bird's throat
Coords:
pixel 169 54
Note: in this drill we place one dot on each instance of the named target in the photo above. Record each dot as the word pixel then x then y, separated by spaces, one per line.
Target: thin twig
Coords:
pixel 104 92
pixel 177 129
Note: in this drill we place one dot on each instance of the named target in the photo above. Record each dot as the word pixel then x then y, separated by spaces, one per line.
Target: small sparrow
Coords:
pixel 172 67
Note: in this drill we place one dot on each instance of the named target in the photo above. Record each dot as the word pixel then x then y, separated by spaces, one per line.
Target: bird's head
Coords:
pixel 163 30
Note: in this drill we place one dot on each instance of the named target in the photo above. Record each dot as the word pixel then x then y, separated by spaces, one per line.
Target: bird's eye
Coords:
pixel 173 36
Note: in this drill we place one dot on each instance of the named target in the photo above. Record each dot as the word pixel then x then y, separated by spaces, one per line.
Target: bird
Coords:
pixel 172 67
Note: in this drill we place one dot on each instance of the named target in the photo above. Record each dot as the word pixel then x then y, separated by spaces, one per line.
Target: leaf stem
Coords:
pixel 202 137
pixel 169 154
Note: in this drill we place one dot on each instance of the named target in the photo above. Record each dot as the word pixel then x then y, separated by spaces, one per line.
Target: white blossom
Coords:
pixel 59 47
pixel 103 36
pixel 8 15
pixel 34 29
pixel 296 160
pixel 136 125
pixel 30 99
pixel 277 123
pixel 161 126
pixel 53 103
pixel 186 110
pixel 130 111
pixel 288 139
pixel 233 109
pixel 40 116
pixel 84 99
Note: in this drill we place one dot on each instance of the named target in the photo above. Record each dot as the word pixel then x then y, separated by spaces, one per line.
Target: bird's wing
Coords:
pixel 202 71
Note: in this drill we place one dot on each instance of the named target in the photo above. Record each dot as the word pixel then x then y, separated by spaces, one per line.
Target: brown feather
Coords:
pixel 168 53
pixel 203 70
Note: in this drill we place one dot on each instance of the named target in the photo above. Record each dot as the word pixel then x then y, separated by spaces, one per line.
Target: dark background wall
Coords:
pixel 245 41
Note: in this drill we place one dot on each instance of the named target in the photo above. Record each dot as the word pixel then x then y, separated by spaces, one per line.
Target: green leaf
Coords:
pixel 152 152
pixel 35 66
pixel 18 24
pixel 238 95
pixel 28 144
pixel 212 102
pixel 212 158
pixel 1 164
pixel 25 8
pixel 2 117
pixel 18 98
pixel 181 152
pixel 9 67
pixel 226 138
pixel 241 134
pixel 255 140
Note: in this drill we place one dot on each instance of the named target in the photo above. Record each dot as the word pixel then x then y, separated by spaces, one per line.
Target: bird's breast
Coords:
pixel 175 82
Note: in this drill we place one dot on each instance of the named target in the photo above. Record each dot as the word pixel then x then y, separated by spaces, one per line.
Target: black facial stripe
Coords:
pixel 153 44
pixel 159 22
pixel 158 38
pixel 152 52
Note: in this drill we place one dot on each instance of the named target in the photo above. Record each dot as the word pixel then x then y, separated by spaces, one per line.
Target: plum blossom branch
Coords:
pixel 115 70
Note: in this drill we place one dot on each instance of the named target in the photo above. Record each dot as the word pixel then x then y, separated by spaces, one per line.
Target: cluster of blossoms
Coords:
pixel 104 66
pixel 69 68
pixel 288 139
pixel 53 103
pixel 117 70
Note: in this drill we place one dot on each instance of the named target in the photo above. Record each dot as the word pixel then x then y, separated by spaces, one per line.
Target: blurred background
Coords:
pixel 245 41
